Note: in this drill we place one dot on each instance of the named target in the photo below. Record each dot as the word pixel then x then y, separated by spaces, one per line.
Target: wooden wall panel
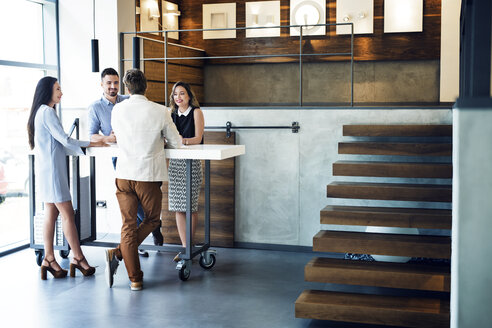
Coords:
pixel 190 71
pixel 152 49
pixel 155 91
pixel 154 71
pixel 376 46
pixel 222 206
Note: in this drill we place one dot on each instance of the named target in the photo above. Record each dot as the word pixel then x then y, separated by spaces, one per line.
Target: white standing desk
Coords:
pixel 201 152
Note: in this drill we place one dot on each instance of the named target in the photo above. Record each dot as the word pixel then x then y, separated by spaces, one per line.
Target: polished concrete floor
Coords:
pixel 246 288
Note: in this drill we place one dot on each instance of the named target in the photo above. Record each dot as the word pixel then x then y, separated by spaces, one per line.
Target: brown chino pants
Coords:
pixel 129 193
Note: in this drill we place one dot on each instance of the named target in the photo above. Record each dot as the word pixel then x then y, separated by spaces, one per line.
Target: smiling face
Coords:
pixel 181 97
pixel 110 85
pixel 56 95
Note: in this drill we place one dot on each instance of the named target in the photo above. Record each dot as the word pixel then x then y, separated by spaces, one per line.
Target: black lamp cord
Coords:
pixel 94 16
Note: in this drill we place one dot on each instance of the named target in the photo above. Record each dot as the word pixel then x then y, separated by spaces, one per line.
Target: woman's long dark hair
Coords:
pixel 42 96
pixel 193 101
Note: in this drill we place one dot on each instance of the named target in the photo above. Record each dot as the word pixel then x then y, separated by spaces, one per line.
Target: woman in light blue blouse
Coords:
pixel 50 144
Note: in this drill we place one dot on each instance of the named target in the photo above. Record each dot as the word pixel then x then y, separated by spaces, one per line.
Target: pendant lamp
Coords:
pixel 136 52
pixel 136 44
pixel 94 42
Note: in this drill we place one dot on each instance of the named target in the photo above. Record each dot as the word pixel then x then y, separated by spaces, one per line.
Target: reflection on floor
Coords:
pixel 14 221
pixel 246 288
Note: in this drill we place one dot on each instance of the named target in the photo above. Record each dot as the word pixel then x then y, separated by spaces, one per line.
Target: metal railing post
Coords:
pixel 165 69
pixel 352 65
pixel 300 66
pixel 122 62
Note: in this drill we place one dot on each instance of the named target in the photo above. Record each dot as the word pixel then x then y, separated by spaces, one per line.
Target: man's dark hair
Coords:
pixel 135 81
pixel 108 71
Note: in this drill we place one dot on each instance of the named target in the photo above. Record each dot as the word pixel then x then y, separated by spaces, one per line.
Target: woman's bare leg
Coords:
pixel 50 216
pixel 70 230
pixel 181 224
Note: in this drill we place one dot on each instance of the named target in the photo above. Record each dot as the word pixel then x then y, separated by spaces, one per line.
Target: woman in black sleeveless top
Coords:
pixel 188 117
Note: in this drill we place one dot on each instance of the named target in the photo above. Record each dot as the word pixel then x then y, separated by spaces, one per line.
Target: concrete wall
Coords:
pixel 329 82
pixel 471 291
pixel 281 180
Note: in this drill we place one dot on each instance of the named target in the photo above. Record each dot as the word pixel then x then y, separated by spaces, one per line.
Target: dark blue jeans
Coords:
pixel 140 212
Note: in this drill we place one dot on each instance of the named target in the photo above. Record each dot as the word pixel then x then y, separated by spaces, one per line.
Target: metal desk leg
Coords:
pixel 207 259
pixel 207 202
pixel 93 197
pixel 32 199
pixel 76 191
pixel 184 266
pixel 189 223
pixel 207 256
pixel 39 251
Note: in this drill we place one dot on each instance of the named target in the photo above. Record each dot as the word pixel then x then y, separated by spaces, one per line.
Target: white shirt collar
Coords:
pixel 185 113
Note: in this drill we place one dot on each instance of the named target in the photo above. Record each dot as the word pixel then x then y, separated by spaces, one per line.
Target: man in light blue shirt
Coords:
pixel 99 120
pixel 100 110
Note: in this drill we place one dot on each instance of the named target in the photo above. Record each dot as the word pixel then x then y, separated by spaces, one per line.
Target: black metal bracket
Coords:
pixel 295 127
pixel 75 126
pixel 228 127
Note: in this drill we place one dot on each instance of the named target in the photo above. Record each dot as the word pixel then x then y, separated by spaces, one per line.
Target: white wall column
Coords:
pixel 471 278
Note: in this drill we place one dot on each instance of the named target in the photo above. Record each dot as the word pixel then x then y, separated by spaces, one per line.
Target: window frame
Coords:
pixel 17 246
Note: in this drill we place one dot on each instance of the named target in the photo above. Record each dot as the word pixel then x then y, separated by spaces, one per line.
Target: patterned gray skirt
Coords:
pixel 177 184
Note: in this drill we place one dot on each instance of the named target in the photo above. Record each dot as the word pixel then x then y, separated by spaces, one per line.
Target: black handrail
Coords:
pixel 228 127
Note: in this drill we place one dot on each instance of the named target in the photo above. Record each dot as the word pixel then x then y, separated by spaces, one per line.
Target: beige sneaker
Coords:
pixel 136 285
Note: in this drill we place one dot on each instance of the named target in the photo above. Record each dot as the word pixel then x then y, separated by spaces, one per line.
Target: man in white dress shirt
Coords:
pixel 140 127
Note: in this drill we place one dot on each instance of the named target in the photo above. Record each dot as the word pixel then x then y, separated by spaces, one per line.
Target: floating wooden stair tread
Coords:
pixel 386 217
pixel 382 244
pixel 420 142
pixel 433 130
pixel 393 169
pixel 395 148
pixel 390 191
pixel 435 277
pixel 373 309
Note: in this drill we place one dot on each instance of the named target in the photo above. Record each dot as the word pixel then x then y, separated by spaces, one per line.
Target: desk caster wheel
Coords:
pixel 184 270
pixel 207 265
pixel 64 253
pixel 184 273
pixel 39 256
